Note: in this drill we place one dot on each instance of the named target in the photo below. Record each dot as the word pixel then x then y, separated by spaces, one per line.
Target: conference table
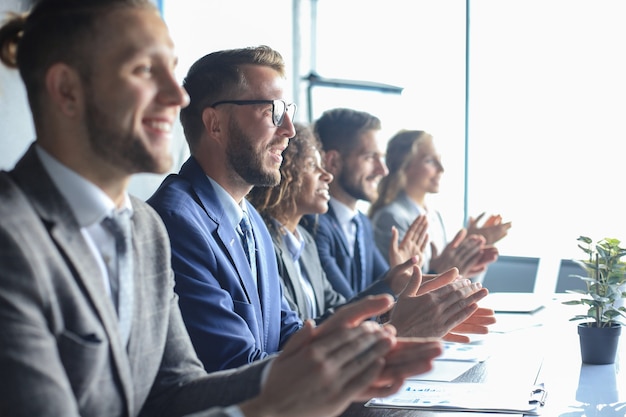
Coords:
pixel 527 349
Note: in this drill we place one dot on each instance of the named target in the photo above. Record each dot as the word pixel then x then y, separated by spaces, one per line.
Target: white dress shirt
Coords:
pixel 344 216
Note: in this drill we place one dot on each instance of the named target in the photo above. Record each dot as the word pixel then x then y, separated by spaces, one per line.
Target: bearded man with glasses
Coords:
pixel 237 126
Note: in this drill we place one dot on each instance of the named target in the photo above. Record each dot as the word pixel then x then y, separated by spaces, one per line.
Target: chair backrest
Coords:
pixel 512 274
pixel 564 281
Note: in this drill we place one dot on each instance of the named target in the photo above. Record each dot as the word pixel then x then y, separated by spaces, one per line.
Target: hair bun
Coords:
pixel 10 35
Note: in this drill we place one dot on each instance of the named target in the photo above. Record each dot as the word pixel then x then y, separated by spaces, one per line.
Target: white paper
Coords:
pixel 459 397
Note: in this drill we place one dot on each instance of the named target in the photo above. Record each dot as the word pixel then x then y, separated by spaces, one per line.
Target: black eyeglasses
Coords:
pixel 279 108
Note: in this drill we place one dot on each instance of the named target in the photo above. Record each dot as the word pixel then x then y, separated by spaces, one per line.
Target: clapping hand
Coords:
pixel 493 229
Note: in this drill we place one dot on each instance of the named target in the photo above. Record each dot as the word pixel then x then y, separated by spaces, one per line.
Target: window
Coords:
pixel 547 83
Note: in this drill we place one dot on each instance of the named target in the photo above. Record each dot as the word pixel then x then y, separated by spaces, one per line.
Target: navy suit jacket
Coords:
pixel 337 261
pixel 229 321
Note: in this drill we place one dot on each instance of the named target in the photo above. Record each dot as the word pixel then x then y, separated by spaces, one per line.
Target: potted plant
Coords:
pixel 606 276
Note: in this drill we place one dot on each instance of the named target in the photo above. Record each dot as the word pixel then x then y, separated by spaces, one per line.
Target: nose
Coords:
pixel 381 167
pixel 287 127
pixel 327 177
pixel 171 92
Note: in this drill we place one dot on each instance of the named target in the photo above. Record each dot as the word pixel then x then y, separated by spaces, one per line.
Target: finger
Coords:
pixel 353 346
pixel 407 350
pixel 423 242
pixel 410 356
pixel 484 311
pixel 360 385
pixel 459 300
pixel 390 329
pixel 357 367
pixel 478 295
pixel 478 218
pixel 471 329
pixel 414 283
pixel 468 253
pixel 480 320
pixel 439 281
pixel 433 250
pixel 354 313
pixel 393 248
pixel 458 238
pixel 464 307
pixel 458 338
pixel 380 392
pixel 492 220
pixel 417 228
pixel 299 339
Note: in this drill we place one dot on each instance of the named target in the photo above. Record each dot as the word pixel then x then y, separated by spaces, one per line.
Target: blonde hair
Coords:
pixel 402 148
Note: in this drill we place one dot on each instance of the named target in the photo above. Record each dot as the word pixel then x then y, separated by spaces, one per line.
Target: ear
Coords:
pixel 333 162
pixel 212 122
pixel 65 89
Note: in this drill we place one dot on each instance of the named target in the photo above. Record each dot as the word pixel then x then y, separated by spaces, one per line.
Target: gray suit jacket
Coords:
pixel 400 213
pixel 327 299
pixel 60 351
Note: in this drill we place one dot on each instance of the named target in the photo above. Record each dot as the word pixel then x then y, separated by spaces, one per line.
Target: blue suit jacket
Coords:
pixel 229 321
pixel 336 260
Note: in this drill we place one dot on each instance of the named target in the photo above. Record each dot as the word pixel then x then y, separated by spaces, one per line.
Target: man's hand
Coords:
pixel 322 370
pixel 468 253
pixel 477 323
pixel 445 303
pixel 488 254
pixel 399 276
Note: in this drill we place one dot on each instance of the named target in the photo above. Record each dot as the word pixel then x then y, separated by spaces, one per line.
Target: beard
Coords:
pixel 246 160
pixel 353 189
pixel 124 150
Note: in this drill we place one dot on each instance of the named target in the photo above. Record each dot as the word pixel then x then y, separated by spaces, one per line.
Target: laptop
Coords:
pixel 513 302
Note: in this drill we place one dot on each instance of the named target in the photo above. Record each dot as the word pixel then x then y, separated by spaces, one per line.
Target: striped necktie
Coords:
pixel 121 274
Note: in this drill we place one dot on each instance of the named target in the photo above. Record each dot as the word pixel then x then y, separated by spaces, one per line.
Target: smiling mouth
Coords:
pixel 161 126
pixel 323 193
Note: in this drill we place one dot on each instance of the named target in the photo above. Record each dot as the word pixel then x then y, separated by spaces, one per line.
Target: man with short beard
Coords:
pixel 90 324
pixel 237 126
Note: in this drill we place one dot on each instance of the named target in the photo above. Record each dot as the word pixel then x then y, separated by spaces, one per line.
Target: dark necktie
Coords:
pixel 359 255
pixel 247 240
pixel 121 276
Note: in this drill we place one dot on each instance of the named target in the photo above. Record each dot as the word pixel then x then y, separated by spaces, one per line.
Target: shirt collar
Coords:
pixel 295 244
pixel 344 213
pixel 233 211
pixel 87 201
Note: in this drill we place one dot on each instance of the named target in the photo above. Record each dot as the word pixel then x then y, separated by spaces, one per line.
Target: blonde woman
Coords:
pixel 415 169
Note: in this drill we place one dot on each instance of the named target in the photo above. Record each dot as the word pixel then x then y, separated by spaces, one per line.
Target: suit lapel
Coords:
pixel 313 269
pixel 65 231
pixel 268 281
pixel 292 277
pixel 229 238
pixel 338 231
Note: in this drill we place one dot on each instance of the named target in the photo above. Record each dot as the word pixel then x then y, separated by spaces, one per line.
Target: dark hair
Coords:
pixel 401 149
pixel 54 31
pixel 280 201
pixel 218 76
pixel 339 129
